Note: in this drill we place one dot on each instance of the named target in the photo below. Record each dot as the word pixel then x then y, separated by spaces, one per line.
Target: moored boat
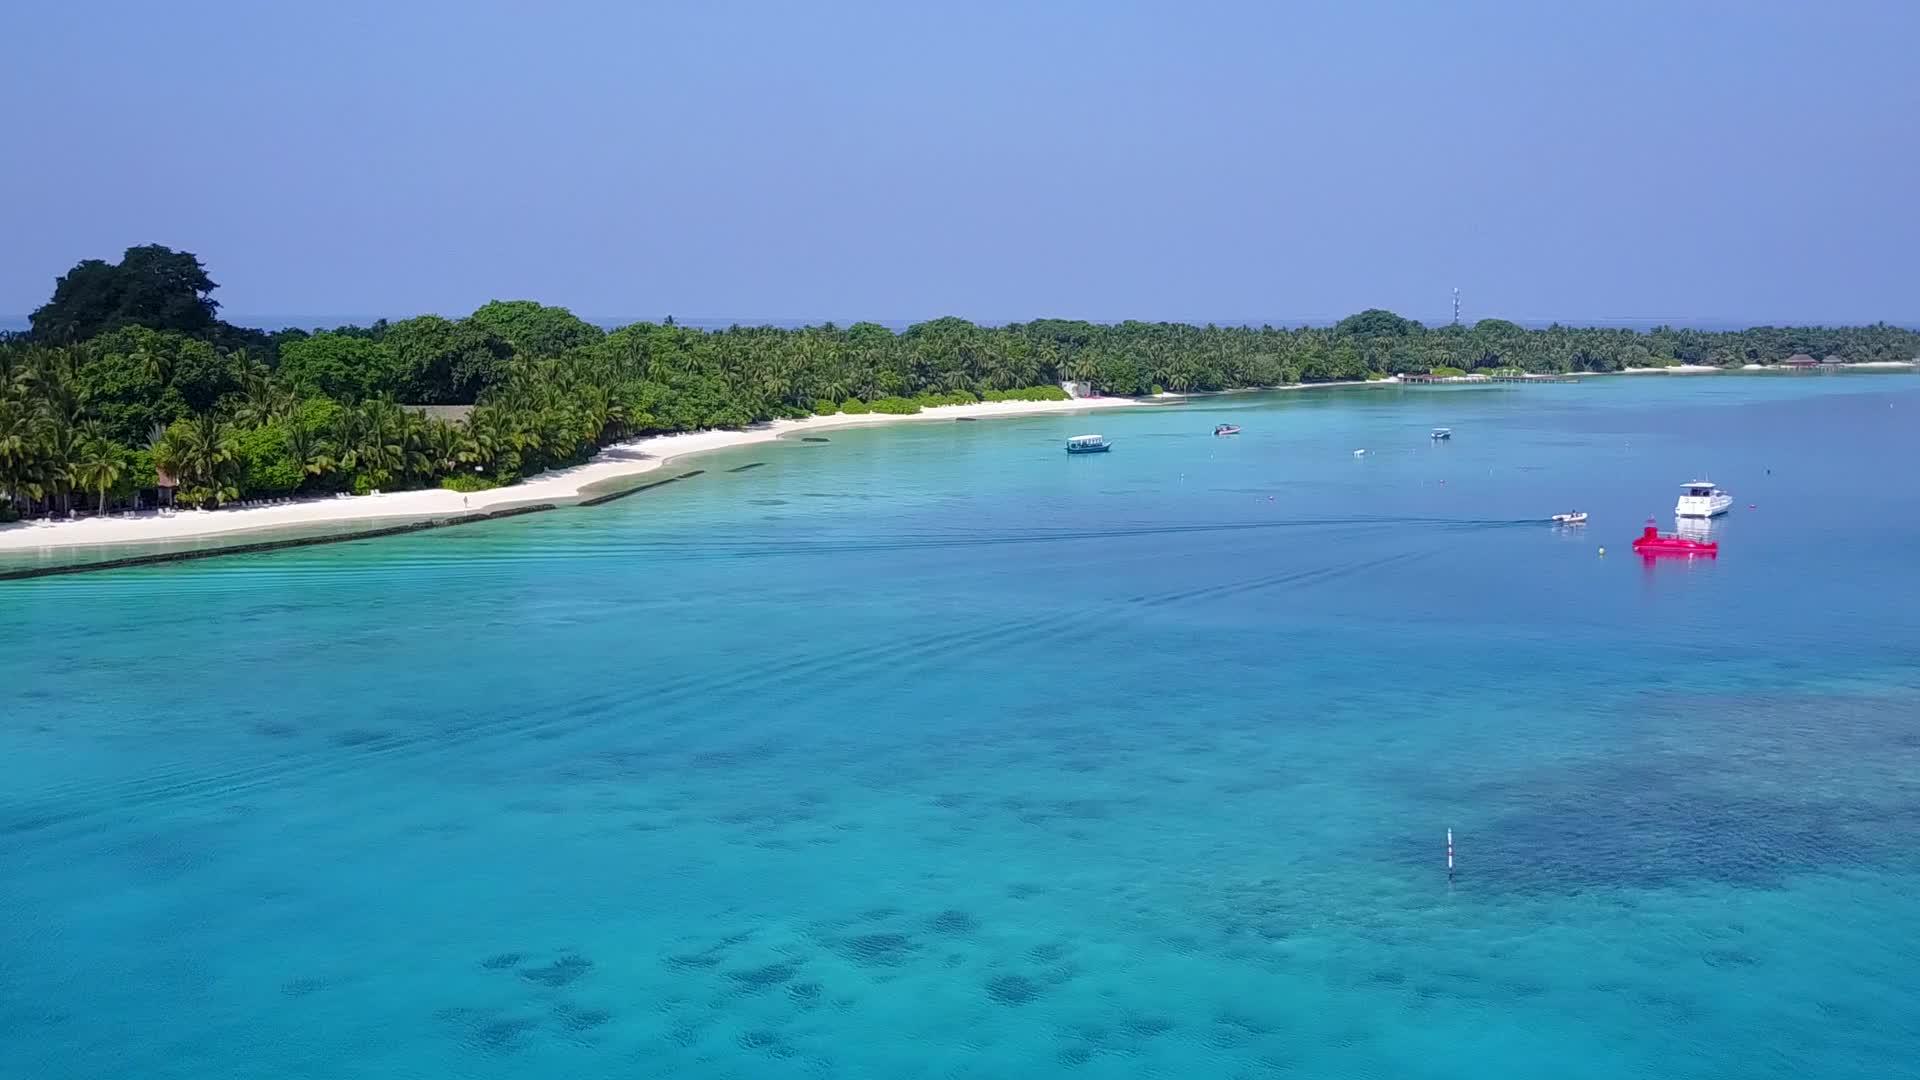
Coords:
pixel 1701 499
pixel 1652 541
pixel 1088 444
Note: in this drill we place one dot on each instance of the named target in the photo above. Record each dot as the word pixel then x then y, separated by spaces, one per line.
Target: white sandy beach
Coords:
pixel 1191 395
pixel 1701 369
pixel 619 461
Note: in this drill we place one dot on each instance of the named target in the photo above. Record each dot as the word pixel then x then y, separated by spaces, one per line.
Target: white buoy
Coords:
pixel 1449 852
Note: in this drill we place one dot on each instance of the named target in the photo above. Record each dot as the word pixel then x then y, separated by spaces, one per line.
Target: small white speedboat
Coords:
pixel 1578 517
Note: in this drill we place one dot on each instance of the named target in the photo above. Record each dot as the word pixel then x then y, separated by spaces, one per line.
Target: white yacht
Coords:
pixel 1700 499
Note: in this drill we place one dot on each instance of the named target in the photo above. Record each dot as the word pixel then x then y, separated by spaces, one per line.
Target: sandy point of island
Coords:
pixel 617 462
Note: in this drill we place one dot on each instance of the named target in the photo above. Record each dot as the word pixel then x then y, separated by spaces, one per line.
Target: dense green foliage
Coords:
pixel 463 482
pixel 343 367
pixel 530 329
pixel 127 372
pixel 150 286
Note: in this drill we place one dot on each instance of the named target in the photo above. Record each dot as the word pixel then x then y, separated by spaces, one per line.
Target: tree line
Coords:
pixel 128 378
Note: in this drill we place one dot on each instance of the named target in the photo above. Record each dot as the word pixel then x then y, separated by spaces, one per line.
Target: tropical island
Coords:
pixel 130 391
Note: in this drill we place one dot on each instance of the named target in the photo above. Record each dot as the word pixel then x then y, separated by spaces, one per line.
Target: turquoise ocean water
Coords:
pixel 933 752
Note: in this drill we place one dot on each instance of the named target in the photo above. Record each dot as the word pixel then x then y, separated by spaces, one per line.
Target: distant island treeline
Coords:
pixel 127 380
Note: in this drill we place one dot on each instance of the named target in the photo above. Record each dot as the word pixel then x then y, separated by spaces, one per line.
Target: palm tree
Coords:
pixel 203 453
pixel 92 428
pixel 166 468
pixel 595 407
pixel 835 387
pixel 51 378
pixel 998 367
pixel 486 435
pixel 447 448
pixel 619 422
pixel 349 432
pixel 523 432
pixel 309 451
pixel 263 400
pixel 60 449
pixel 382 450
pixel 99 468
pixel 416 461
pixel 20 431
pixel 155 364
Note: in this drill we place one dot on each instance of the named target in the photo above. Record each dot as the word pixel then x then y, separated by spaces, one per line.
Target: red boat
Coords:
pixel 1652 542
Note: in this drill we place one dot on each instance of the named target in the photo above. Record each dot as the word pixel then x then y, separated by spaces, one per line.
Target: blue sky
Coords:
pixel 1200 161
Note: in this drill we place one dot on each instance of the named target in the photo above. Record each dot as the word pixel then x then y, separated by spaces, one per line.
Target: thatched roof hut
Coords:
pixel 1800 359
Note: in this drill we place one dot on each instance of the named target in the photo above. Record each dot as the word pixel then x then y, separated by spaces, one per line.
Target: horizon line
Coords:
pixel 318 321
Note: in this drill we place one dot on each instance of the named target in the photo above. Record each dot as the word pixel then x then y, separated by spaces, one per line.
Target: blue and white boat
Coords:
pixel 1088 444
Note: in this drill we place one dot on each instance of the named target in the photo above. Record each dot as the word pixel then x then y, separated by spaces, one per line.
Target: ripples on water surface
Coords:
pixel 932 752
